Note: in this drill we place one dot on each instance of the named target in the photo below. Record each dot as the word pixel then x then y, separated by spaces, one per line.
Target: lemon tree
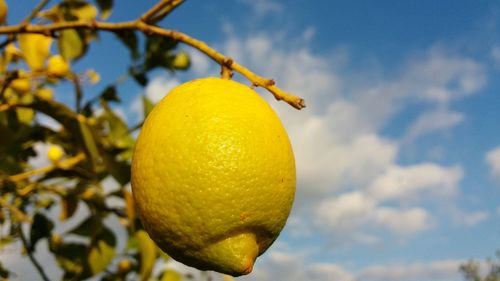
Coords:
pixel 223 168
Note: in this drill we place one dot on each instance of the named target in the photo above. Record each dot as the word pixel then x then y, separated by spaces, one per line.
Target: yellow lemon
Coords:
pixel 55 153
pixel 57 66
pixel 213 175
pixel 21 85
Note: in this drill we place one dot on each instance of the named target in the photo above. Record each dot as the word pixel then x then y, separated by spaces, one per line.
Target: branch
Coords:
pixel 167 10
pixel 148 29
pixel 20 215
pixel 65 164
pixel 148 16
pixel 30 254
pixel 35 11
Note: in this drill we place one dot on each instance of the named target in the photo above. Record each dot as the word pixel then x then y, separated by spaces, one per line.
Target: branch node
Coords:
pixel 226 70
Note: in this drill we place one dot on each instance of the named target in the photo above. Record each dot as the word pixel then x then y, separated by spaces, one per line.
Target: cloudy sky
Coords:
pixel 398 150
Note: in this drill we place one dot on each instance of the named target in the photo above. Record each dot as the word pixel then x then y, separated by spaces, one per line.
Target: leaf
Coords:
pixel 41 228
pixel 25 115
pixel 120 170
pixel 105 6
pixel 110 94
pixel 35 49
pixel 158 52
pixel 102 251
pixel 139 75
pixel 119 135
pixel 89 143
pixel 129 206
pixel 89 227
pixel 170 275
pixel 69 204
pixel 86 12
pixel 71 257
pixel 147 105
pixel 148 253
pixel 71 44
pixel 129 39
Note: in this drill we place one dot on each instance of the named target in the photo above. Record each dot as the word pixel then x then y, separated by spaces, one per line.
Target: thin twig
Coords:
pixel 65 164
pixel 30 254
pixel 155 9
pixel 34 12
pixel 78 91
pixel 166 11
pixel 148 29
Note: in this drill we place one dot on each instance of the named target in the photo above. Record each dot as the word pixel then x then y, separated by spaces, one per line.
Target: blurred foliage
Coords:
pixel 471 270
pixel 92 144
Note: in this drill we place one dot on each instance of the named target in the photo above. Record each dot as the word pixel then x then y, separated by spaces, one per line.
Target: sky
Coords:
pixel 398 149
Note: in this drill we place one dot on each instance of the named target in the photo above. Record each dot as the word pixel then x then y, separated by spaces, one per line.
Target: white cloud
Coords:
pixel 155 90
pixel 263 7
pixel 277 265
pixel 493 160
pixel 355 215
pixel 200 63
pixel 407 183
pixel 403 222
pixel 434 270
pixel 433 121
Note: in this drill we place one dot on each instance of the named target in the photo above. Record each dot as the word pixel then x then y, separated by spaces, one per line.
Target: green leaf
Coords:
pixel 120 170
pixel 139 75
pixel 69 204
pixel 129 39
pixel 89 143
pixel 89 227
pixel 101 251
pixel 41 228
pixel 71 44
pixel 147 105
pixel 119 134
pixel 110 94
pixel 170 275
pixel 158 52
pixel 71 257
pixel 105 6
pixel 148 253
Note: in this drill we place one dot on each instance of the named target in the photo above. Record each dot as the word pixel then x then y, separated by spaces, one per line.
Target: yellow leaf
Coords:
pixel 35 49
pixel 129 207
pixel 93 76
pixel 100 256
pixel 148 254
pixel 171 275
pixel 3 11
pixel 85 13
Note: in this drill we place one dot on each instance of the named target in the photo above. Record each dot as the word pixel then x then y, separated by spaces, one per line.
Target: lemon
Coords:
pixel 55 153
pixel 213 175
pixel 21 85
pixel 57 66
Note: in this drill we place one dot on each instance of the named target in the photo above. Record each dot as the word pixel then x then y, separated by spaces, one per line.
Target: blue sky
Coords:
pixel 398 151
